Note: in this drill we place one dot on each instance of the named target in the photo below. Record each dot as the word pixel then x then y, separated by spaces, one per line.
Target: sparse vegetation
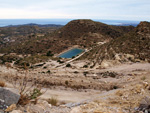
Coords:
pixel 53 101
pixel 28 88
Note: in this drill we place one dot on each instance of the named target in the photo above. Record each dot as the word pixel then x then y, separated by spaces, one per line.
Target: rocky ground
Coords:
pixel 124 88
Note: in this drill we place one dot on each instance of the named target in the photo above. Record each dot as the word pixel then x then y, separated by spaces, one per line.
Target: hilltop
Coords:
pixel 88 28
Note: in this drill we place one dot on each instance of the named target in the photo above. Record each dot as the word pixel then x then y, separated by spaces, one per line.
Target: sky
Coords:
pixel 76 9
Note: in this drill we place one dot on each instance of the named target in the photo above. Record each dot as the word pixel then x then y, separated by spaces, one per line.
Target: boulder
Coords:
pixel 8 96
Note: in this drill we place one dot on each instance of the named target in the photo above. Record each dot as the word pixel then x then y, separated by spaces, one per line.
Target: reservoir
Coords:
pixel 71 53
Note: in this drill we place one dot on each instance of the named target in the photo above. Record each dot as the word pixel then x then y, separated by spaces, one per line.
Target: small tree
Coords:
pixel 85 66
pixel 68 65
pixel 49 53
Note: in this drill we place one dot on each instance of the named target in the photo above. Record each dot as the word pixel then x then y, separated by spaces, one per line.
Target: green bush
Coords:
pixel 35 93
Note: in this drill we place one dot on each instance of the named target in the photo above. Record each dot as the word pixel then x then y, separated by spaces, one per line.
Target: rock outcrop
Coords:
pixel 8 96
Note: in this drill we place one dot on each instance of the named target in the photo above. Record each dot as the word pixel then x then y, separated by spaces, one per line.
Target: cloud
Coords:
pixel 94 9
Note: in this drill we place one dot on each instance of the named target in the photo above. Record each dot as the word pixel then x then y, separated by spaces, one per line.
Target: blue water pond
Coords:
pixel 71 53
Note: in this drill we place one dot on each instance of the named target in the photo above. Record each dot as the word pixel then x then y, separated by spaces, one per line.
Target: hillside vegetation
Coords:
pixel 136 43
pixel 34 39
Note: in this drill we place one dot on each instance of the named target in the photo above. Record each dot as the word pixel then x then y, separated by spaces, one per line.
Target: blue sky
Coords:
pixel 76 9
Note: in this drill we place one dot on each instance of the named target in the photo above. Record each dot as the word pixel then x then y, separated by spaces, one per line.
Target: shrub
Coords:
pixel 76 72
pixel 115 87
pixel 28 89
pixel 35 93
pixel 49 53
pixel 60 61
pixel 23 100
pixel 26 97
pixel 53 101
pixel 2 84
pixel 66 82
pixel 85 73
pixel 68 65
pixel 85 66
pixel 49 71
pixel 73 57
pixel 143 78
pixel 44 67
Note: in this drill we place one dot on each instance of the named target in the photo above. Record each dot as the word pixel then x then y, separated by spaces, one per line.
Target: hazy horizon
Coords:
pixel 8 22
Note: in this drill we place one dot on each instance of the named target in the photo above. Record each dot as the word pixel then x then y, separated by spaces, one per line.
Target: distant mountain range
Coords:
pixel 39 25
pixel 9 22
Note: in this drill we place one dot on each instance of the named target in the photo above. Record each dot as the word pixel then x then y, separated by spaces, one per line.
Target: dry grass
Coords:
pixel 23 100
pixel 53 101
pixel 2 84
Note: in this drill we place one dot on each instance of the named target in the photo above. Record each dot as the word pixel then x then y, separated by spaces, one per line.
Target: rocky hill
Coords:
pixel 131 46
pixel 35 39
pixel 89 28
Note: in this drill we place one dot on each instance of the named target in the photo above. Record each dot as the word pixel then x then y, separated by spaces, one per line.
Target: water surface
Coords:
pixel 71 53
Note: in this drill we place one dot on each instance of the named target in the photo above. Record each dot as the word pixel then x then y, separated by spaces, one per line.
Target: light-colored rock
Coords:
pixel 40 107
pixel 109 63
pixel 76 110
pixel 105 64
pixel 129 56
pixel 16 111
pixel 117 57
pixel 145 84
pixel 35 109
